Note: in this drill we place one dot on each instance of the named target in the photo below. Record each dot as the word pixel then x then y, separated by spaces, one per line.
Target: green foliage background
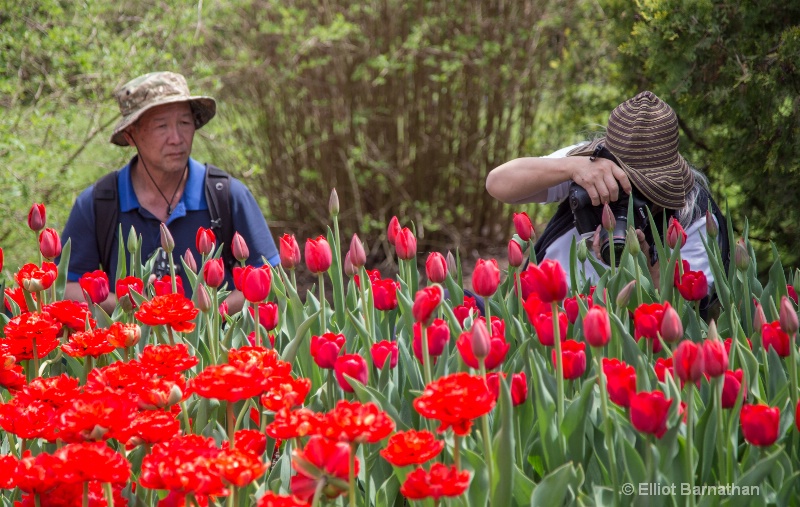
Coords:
pixel 403 106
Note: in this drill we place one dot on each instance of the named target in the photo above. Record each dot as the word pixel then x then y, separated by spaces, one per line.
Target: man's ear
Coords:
pixel 128 137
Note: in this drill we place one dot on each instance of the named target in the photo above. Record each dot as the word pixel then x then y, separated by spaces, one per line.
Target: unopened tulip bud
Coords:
pixel 349 269
pixel 633 242
pixel 393 230
pixel 436 268
pixel 788 316
pixel 524 226
pixel 760 317
pixel 37 217
pixel 167 242
pixel 203 298
pixel 741 257
pixel 582 251
pixel 624 296
pixel 609 221
pixel 357 255
pixel 452 268
pixel 175 395
pixel 481 342
pixel 49 243
pixel 239 248
pixel 676 236
pixel 188 258
pixel 711 225
pixel 671 325
pixel 133 240
pixel 712 331
pixel 715 358
pixel 333 203
pixel 515 255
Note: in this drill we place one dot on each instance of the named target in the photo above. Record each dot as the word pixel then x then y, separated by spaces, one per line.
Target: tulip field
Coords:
pixel 526 388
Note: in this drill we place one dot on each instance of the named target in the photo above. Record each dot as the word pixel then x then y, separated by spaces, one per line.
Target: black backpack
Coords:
pixel 106 212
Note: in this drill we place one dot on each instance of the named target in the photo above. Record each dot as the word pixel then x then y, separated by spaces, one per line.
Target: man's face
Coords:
pixel 163 136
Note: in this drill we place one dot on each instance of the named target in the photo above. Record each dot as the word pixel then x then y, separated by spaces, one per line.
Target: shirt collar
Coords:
pixel 192 199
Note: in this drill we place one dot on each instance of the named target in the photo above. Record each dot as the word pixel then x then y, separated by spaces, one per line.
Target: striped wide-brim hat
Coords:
pixel 642 134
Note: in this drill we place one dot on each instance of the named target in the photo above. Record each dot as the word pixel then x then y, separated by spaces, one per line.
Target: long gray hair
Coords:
pixel 691 210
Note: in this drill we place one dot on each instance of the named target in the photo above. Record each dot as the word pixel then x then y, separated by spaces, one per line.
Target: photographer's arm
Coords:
pixel 527 179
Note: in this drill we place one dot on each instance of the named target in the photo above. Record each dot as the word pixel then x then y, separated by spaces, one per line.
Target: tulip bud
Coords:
pixel 175 395
pixel 712 230
pixel 49 243
pixel 214 272
pixel 609 221
pixel 289 251
pixel 37 217
pixel 239 248
pixel 741 256
pixel 715 358
pixel 688 362
pixel 203 298
pixel 188 258
pixel 624 296
pixel 167 242
pixel 676 236
pixel 393 230
pixel 436 268
pixel 452 267
pixel 597 326
pixel 796 280
pixel 712 333
pixel 515 255
pixel 205 241
pixel 760 318
pixel 788 317
pixel 357 255
pixel 481 342
pixel 485 277
pixel 633 242
pixel 349 269
pixel 671 325
pixel 133 240
pixel 524 226
pixel 582 251
pixel 406 244
pixel 333 203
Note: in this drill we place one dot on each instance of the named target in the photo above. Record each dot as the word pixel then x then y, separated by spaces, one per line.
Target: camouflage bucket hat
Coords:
pixel 642 134
pixel 156 89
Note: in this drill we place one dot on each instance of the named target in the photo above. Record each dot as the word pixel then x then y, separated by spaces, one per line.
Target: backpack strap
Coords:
pixel 106 214
pixel 218 198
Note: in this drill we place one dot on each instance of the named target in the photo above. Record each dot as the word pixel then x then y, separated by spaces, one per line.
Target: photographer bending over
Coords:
pixel 636 159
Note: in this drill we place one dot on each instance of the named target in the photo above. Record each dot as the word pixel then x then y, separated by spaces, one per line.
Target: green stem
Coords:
pixel 457 451
pixel 37 502
pixel 559 366
pixel 258 326
pixel 170 336
pixel 520 309
pixel 186 422
pixel 613 253
pixel 746 306
pixel 322 326
pixel 366 307
pixel 35 359
pixel 690 438
pixel 721 435
pixel 793 368
pixel 109 493
pixel 639 298
pixel 85 494
pixel 331 387
pixel 352 475
pixel 318 492
pixel 487 439
pixel 230 421
pixel 294 279
pixel 648 442
pixel 172 273
pixel 609 423
pixel 426 355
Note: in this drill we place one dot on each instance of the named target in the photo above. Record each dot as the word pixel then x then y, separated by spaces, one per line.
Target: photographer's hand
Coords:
pixel 601 178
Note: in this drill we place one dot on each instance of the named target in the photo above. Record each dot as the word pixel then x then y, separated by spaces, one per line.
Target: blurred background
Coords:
pixel 402 106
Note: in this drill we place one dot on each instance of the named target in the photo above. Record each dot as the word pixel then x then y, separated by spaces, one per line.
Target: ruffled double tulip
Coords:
pixel 455 401
pixel 321 463
pixel 760 424
pixel 411 447
pixel 318 255
pixel 441 481
pixel 33 278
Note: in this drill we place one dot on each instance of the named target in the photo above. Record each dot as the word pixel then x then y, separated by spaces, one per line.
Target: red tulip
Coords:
pixel 123 286
pixel 381 351
pixel 571 304
pixel 188 258
pixel 267 315
pixel 515 255
pixel 205 241
pixel 470 307
pixel 480 341
pixel 37 217
pixel 498 346
pixel 95 283
pixel 597 327
pixel 760 424
pixel 436 267
pixel 239 248
pixel 1 260
pixel 540 315
pixel 773 336
pixel 671 325
pixel 519 386
pixel 797 416
pixel 715 358
pixel 425 303
pixel 692 285
pixel 325 349
pixel 647 323
pixel 290 251
pixel 621 381
pixel 688 361
pixel 438 337
pixel 358 257
pixel 214 272
pixel 384 294
pixel 49 243
pixel 256 285
pixel 524 226
pixel 322 463
pixel 789 290
pixel 549 281
pixel 352 365
pixel 662 367
pixel 406 244
pixel 734 382
pixel 728 342
pixel 573 358
pixel 676 236
pixel 788 317
pixel 649 412
pixel 486 277
pixel 393 230
pixel 318 255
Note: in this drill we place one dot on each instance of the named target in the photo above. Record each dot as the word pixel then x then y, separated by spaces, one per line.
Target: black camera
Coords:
pixel 588 217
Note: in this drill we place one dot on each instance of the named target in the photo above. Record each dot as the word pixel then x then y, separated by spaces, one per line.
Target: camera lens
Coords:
pixel 605 251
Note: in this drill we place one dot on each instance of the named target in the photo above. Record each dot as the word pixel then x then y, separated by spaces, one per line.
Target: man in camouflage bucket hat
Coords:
pixel 639 151
pixel 162 184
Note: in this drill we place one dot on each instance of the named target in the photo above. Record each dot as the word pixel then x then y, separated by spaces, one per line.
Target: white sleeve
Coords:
pixel 694 252
pixel 559 192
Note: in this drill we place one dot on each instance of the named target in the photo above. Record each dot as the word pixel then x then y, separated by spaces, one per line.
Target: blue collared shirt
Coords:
pixel 189 215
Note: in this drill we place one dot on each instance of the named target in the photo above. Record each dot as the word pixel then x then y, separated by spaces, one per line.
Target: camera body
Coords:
pixel 587 217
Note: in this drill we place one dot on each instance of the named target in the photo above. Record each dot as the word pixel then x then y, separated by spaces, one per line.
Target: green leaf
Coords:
pixel 505 450
pixel 552 490
pixel 63 271
pixel 455 292
pixel 291 350
pixel 633 462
